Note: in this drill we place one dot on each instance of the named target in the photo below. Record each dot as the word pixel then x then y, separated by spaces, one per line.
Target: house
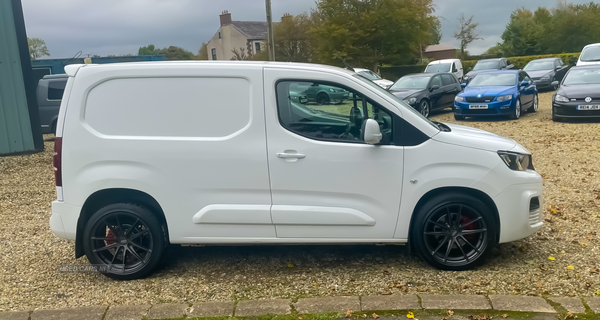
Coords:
pixel 440 51
pixel 251 36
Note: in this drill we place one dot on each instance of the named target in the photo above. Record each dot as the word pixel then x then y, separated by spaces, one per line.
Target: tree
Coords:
pixel 466 33
pixel 203 52
pixel 175 53
pixel 292 39
pixel 522 34
pixel 240 54
pixel 435 32
pixel 371 32
pixel 494 50
pixel 37 48
pixel 148 50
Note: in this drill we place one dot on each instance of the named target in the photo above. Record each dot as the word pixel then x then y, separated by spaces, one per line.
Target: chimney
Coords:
pixel 225 18
pixel 286 16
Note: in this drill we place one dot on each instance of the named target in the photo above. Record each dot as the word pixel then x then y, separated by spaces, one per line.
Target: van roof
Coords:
pixel 444 61
pixel 225 63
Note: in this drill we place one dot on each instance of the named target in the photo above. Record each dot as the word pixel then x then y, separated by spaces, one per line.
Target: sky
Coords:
pixel 122 26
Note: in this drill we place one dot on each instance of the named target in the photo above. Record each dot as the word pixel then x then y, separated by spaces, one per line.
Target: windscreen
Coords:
pixel 487 65
pixel 440 67
pixel 584 76
pixel 410 82
pixel 489 80
pixel 590 54
pixel 539 65
pixel 369 75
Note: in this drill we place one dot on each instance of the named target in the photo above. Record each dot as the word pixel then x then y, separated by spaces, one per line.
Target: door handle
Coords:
pixel 284 155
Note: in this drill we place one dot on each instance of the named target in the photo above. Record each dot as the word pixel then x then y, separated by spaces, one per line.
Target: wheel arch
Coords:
pixel 105 197
pixel 486 199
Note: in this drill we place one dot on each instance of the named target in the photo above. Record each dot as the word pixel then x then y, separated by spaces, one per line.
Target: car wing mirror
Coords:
pixel 371 132
pixel 463 85
pixel 434 87
pixel 555 83
pixel 524 83
pixel 510 66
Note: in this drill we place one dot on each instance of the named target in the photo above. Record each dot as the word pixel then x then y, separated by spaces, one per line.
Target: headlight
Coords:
pixel 331 90
pixel 559 98
pixel 410 100
pixel 545 78
pixel 504 97
pixel 459 99
pixel 516 161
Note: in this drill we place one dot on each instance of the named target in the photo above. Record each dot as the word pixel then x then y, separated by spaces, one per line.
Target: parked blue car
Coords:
pixel 497 93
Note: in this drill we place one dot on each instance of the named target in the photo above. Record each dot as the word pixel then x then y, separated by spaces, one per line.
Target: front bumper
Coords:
pixel 569 110
pixel 63 221
pixel 495 108
pixel 518 219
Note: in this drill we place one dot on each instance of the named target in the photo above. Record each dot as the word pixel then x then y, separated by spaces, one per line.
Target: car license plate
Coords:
pixel 478 106
pixel 588 107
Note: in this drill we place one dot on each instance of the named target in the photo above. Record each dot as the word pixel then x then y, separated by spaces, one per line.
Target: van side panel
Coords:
pixel 192 137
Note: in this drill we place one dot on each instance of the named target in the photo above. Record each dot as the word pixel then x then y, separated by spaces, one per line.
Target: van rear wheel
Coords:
pixel 125 241
pixel 454 231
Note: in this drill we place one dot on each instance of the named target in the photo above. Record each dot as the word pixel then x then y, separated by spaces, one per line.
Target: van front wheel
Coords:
pixel 124 241
pixel 454 231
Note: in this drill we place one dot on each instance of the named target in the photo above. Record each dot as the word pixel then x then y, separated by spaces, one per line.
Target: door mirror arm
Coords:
pixel 371 132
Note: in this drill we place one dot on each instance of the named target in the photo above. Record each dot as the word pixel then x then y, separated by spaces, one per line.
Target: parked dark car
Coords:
pixel 319 93
pixel 427 91
pixel 497 93
pixel 49 95
pixel 578 95
pixel 546 73
pixel 487 65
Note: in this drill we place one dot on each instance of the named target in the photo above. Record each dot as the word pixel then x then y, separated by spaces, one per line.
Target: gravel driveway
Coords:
pixel 562 259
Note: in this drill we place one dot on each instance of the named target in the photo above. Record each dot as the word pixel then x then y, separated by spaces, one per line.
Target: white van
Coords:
pixel 589 55
pixel 150 154
pixel 453 66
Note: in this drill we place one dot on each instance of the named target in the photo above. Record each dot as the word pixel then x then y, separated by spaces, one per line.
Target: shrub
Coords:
pixel 396 72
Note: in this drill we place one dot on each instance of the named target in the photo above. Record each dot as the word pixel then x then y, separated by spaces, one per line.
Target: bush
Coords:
pixel 396 72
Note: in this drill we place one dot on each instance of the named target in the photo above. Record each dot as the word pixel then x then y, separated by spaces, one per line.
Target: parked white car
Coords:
pixel 589 55
pixel 384 83
pixel 453 66
pixel 148 154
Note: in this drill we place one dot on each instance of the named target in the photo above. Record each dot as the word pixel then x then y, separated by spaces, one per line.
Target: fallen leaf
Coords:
pixel 571 268
pixel 584 244
pixel 450 312
pixel 290 265
pixel 410 315
pixel 562 251
pixel 349 313
pixel 551 258
pixel 375 315
pixel 300 318
pixel 504 316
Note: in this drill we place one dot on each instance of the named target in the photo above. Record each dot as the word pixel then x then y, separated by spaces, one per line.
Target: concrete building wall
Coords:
pixel 230 38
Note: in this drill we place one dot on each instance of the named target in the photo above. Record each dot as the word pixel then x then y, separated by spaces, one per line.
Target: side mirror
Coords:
pixel 510 66
pixel 555 84
pixel 372 134
pixel 524 83
pixel 434 87
pixel 463 85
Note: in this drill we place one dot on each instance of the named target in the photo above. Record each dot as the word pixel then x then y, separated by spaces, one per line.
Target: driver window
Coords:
pixel 436 81
pixel 325 111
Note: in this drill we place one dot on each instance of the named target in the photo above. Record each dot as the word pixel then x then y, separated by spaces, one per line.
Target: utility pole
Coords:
pixel 270 39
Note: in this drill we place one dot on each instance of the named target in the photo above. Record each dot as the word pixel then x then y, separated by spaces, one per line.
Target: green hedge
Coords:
pixel 396 72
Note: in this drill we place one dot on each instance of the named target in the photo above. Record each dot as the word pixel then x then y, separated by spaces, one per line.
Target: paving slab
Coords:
pixel 14 315
pixel 247 308
pixel 211 309
pixel 394 302
pixel 167 311
pixel 454 302
pixel 88 313
pixel 521 304
pixel 327 304
pixel 593 303
pixel 125 312
pixel 572 304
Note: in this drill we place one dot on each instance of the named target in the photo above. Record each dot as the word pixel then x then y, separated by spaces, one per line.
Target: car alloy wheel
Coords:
pixel 454 231
pixel 517 113
pixel 323 99
pixel 535 105
pixel 125 241
pixel 424 108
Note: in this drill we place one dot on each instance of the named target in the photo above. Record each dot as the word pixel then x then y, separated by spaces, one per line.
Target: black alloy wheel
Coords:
pixel 323 99
pixel 454 232
pixel 124 241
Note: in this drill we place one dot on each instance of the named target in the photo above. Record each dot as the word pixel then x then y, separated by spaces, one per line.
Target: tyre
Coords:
pixel 535 105
pixel 424 108
pixel 323 98
pixel 125 241
pixel 454 231
pixel 457 117
pixel 516 114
